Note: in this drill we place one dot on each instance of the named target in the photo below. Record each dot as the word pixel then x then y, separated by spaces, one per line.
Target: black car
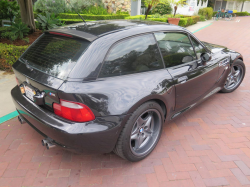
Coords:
pixel 111 85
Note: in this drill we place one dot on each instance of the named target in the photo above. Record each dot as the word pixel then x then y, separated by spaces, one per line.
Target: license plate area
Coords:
pixel 29 92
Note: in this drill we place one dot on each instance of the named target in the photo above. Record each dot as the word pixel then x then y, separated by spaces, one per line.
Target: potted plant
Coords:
pixel 176 4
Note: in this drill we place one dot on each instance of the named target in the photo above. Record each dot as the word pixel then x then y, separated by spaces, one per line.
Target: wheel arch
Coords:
pixel 156 98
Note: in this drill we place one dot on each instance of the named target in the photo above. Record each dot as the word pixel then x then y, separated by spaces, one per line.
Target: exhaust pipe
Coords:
pixel 21 120
pixel 50 145
pixel 44 141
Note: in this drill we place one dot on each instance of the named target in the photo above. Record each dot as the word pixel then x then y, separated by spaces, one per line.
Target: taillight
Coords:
pixel 77 112
pixel 17 81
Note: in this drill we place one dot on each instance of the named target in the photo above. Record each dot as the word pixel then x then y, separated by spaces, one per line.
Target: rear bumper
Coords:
pixel 98 136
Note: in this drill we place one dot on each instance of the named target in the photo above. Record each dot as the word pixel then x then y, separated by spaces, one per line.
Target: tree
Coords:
pixel 176 4
pixel 149 4
pixel 27 14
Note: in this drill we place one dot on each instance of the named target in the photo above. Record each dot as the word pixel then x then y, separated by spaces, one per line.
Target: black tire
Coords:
pixel 124 147
pixel 240 64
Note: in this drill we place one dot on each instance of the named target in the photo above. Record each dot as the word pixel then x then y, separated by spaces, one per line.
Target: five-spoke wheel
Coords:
pixel 145 131
pixel 141 132
pixel 235 77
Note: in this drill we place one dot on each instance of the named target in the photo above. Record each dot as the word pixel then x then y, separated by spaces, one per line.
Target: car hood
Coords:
pixel 214 47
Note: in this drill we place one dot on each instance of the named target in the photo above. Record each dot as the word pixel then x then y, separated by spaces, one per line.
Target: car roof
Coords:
pixel 94 29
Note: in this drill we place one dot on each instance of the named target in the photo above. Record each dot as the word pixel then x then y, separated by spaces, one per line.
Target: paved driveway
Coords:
pixel 208 146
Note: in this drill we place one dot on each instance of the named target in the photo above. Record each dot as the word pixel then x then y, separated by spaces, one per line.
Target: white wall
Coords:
pixel 135 7
pixel 246 6
pixel 191 8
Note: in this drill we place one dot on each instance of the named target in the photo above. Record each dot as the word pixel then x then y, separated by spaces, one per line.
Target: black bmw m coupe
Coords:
pixel 111 85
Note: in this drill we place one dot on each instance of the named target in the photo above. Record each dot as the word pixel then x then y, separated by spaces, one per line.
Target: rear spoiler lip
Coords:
pixel 76 33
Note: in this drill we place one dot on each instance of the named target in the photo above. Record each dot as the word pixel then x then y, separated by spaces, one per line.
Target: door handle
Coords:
pixel 182 79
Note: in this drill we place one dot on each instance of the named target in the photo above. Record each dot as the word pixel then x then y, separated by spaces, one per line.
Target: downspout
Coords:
pixel 242 6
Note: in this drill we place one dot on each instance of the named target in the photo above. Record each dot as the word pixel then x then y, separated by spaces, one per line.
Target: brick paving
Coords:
pixel 208 146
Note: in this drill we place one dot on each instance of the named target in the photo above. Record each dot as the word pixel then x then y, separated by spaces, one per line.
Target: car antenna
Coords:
pixel 77 12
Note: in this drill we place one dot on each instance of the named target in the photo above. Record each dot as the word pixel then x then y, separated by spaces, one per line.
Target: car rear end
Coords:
pixel 40 72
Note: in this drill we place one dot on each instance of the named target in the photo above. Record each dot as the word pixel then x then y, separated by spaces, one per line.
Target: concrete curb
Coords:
pixel 8 116
pixel 202 28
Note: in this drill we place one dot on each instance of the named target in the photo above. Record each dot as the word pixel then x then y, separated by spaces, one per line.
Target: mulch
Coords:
pixel 32 37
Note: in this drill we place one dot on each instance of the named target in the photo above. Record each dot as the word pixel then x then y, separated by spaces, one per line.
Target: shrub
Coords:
pixel 202 18
pixel 214 14
pixel 194 18
pixel 8 9
pixel 158 19
pixel 4 29
pixel 242 13
pixel 162 8
pixel 70 21
pixel 119 12
pixel 51 6
pixel 91 17
pixel 95 10
pixel 207 12
pixel 9 55
pixel 81 5
pixel 48 22
pixel 138 17
pixel 183 22
pixel 9 35
pixel 19 29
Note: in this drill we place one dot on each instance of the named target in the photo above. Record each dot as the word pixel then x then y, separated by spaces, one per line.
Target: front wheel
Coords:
pixel 235 77
pixel 141 133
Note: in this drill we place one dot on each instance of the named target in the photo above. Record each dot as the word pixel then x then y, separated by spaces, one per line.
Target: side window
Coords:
pixel 133 55
pixel 176 48
pixel 199 49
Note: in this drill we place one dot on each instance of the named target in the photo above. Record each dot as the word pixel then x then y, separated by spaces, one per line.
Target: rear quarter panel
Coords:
pixel 122 94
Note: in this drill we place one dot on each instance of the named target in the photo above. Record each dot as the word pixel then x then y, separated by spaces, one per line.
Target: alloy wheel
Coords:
pixel 145 132
pixel 234 77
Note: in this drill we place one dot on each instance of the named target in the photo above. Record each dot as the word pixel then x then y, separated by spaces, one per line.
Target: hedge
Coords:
pixel 70 21
pixel 9 55
pixel 137 17
pixel 183 22
pixel 191 20
pixel 207 12
pixel 91 17
pixel 242 13
pixel 237 13
pixel 158 19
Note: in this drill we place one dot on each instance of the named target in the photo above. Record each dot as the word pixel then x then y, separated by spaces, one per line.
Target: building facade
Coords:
pixel 231 5
pixel 191 8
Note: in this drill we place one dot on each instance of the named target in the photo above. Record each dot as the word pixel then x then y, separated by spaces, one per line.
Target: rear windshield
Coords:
pixel 55 55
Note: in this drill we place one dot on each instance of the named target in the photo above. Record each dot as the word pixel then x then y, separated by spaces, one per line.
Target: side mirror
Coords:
pixel 205 57
pixel 187 59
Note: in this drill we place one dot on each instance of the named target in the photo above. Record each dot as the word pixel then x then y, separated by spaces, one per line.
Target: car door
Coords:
pixel 192 77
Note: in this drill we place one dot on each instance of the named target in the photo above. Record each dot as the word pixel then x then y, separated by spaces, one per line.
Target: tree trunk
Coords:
pixel 27 14
pixel 175 9
pixel 149 7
